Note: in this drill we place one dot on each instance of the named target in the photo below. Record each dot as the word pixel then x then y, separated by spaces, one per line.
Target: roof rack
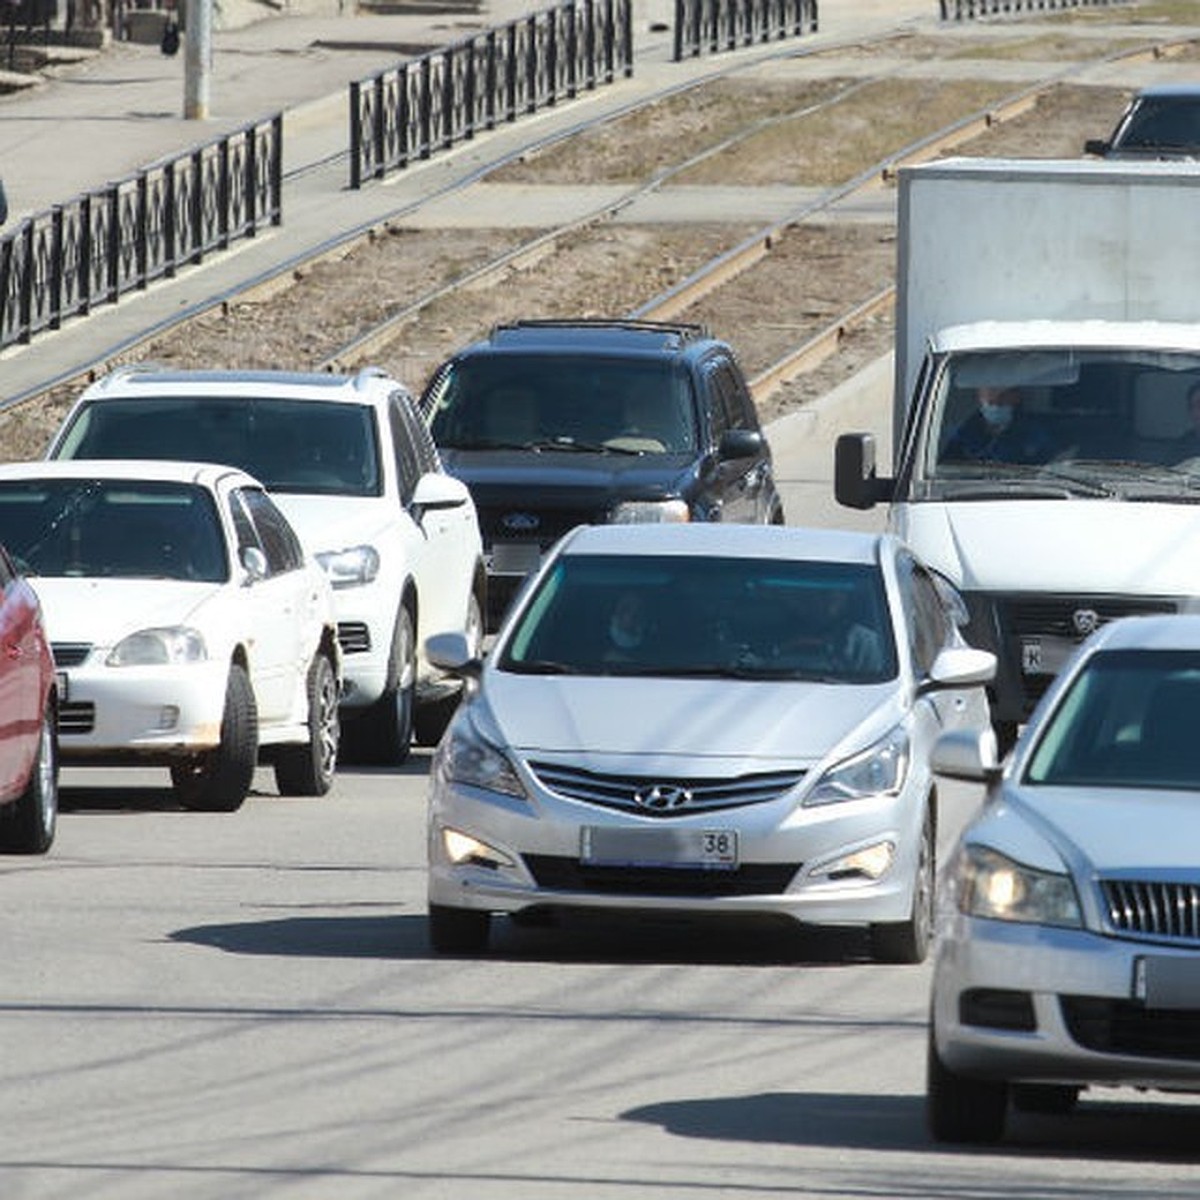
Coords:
pixel 126 370
pixel 685 331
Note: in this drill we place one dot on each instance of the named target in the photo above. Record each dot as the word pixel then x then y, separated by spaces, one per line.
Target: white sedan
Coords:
pixel 1068 953
pixel 189 627
pixel 707 719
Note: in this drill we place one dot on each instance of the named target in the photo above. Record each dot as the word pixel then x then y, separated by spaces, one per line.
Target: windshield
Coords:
pixel 1063 423
pixel 554 402
pixel 304 446
pixel 113 528
pixel 1128 720
pixel 675 615
pixel 1169 123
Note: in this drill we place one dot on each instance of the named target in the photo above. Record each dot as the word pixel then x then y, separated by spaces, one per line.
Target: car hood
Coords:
pixel 1110 831
pixel 590 718
pixel 334 522
pixel 1118 548
pixel 498 476
pixel 102 611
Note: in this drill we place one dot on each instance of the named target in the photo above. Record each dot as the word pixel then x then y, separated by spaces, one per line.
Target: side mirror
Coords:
pixel 435 492
pixel 255 563
pixel 966 754
pixel 453 653
pixel 1096 146
pixel 855 483
pixel 740 443
pixel 961 666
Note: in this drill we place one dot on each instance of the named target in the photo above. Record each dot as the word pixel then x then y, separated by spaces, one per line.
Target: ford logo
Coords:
pixel 520 522
pixel 663 797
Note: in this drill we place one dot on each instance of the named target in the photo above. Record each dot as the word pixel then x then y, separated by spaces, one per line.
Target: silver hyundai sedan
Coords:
pixel 1068 949
pixel 704 719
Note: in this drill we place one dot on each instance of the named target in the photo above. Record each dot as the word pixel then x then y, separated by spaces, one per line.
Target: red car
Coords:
pixel 28 719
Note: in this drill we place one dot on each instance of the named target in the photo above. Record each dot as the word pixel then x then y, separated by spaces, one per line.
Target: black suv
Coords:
pixel 553 424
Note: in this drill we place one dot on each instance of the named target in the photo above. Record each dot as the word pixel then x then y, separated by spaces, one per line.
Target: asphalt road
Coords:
pixel 225 1006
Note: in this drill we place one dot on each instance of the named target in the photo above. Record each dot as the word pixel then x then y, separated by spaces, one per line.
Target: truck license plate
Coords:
pixel 1045 655
pixel 712 849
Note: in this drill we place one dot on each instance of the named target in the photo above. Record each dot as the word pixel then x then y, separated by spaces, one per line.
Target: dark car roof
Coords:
pixel 620 339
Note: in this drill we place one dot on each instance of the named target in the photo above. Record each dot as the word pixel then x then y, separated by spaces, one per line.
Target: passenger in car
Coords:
pixel 1000 430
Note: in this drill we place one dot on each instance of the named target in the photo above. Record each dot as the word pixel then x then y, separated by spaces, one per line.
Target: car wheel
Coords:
pixel 958 1109
pixel 430 720
pixel 218 780
pixel 30 825
pixel 1048 1099
pixel 908 941
pixel 307 770
pixel 458 930
pixel 382 735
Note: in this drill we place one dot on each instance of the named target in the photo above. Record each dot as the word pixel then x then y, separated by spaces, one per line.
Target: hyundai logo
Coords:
pixel 520 522
pixel 662 797
pixel 1085 621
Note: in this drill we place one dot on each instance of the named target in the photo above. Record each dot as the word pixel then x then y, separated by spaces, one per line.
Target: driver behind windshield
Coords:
pixel 1001 429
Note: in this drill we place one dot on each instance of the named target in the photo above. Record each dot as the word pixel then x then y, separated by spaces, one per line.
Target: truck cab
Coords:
pixel 1077 504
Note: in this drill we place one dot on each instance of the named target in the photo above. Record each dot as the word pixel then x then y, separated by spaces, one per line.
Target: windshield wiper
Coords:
pixel 542 666
pixel 570 444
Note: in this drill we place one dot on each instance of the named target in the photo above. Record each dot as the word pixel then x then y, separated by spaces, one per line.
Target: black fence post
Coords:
pixel 355 134
pixel 55 289
pixel 112 245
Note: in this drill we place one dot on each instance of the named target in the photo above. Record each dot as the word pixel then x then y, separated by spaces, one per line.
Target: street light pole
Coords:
pixel 197 59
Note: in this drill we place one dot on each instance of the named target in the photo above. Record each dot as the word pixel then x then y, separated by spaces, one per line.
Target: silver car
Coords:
pixel 1068 950
pixel 704 719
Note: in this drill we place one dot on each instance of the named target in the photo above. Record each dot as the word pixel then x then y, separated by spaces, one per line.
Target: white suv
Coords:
pixel 354 469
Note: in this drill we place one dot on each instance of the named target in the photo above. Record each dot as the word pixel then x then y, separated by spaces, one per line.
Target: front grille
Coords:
pixel 354 637
pixel 76 717
pixel 1054 615
pixel 702 794
pixel 552 523
pixel 70 654
pixel 1152 909
pixel 1125 1027
pixel 570 875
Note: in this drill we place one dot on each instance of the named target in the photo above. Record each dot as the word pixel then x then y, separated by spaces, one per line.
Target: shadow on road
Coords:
pixel 400 935
pixel 1104 1128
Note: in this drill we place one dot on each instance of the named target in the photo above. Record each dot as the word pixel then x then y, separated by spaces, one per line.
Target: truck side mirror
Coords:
pixel 855 484
pixel 1096 146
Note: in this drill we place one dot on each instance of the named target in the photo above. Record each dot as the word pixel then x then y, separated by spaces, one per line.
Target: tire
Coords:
pixel 430 720
pixel 458 930
pixel 382 735
pixel 908 941
pixel 218 780
pixel 308 769
pixel 30 825
pixel 958 1109
pixel 1047 1099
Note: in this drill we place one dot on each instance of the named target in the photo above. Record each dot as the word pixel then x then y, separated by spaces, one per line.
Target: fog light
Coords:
pixel 168 717
pixel 462 848
pixel 868 863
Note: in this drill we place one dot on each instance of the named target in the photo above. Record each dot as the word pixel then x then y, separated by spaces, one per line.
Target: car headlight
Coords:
pixel 465 756
pixel 352 567
pixel 650 512
pixel 158 647
pixel 990 884
pixel 879 770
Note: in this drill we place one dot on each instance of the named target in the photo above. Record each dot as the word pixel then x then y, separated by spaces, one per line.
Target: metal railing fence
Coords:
pixel 714 25
pixel 958 10
pixel 428 104
pixel 99 245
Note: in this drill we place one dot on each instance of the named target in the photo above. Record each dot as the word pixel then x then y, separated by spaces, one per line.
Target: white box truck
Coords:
pixel 1047 348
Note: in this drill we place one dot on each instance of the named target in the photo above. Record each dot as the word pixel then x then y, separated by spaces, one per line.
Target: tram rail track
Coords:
pixel 701 283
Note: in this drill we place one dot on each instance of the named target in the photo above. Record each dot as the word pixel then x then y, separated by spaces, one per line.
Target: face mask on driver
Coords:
pixel 998 416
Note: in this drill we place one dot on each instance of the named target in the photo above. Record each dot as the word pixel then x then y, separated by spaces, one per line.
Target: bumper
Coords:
pixel 152 711
pixel 1074 995
pixel 366 622
pixel 784 851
